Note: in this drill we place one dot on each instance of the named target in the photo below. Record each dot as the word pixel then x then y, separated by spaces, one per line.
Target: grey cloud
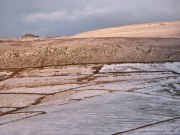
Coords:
pixel 65 15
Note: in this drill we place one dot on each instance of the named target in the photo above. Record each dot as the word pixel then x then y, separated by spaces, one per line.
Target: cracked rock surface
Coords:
pixel 103 99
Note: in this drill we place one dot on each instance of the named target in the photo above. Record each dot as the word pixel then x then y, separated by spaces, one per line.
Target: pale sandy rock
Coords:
pixel 31 82
pixel 112 99
pixel 106 114
pixel 58 71
pixel 6 110
pixel 71 96
pixel 4 74
pixel 140 67
pixel 16 117
pixel 41 89
pixel 18 100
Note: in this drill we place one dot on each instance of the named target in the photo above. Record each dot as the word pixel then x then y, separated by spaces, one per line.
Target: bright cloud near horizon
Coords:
pixel 67 17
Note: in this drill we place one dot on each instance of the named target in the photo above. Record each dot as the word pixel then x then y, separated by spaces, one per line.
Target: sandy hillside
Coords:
pixel 159 30
pixel 153 42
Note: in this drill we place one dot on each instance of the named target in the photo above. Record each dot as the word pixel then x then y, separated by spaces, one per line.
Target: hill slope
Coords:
pixel 156 42
pixel 159 30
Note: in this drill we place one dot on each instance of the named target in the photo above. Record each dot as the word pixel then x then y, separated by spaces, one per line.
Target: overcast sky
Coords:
pixel 67 17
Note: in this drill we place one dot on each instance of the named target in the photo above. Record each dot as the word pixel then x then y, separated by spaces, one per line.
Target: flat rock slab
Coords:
pixel 108 114
pixel 170 127
pixel 17 100
pixel 110 99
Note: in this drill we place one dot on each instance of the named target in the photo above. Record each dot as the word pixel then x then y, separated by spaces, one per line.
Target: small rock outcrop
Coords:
pixel 29 36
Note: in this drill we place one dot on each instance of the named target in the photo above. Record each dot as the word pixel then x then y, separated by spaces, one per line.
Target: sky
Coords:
pixel 51 18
